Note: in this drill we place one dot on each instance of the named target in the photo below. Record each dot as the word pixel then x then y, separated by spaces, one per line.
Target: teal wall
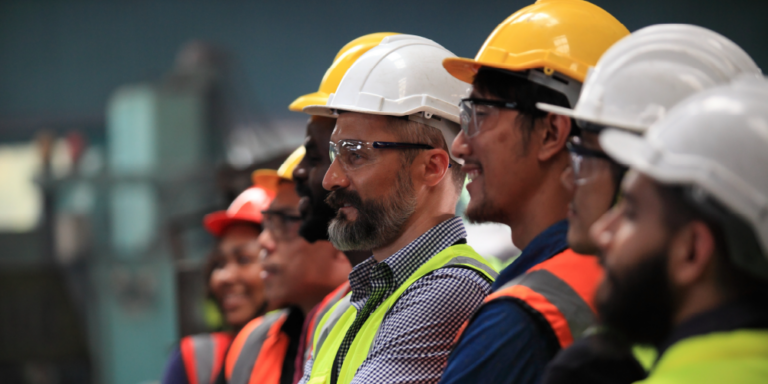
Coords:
pixel 64 58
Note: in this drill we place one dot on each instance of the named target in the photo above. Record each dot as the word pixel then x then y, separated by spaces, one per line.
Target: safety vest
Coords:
pixel 324 307
pixel 203 356
pixel 735 357
pixel 334 325
pixel 561 290
pixel 258 351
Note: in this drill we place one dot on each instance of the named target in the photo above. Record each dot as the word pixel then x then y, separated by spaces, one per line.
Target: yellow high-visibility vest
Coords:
pixel 334 325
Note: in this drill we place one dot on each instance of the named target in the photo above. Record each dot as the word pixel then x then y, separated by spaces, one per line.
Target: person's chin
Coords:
pixel 480 211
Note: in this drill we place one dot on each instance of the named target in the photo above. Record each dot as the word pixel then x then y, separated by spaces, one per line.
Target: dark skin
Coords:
pixel 308 176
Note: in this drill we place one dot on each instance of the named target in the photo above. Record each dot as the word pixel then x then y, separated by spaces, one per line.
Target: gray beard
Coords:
pixel 379 222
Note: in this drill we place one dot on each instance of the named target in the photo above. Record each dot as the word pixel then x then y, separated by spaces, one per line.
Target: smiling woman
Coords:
pixel 234 282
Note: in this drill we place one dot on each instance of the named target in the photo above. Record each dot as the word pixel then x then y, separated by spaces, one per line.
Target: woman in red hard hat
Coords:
pixel 234 282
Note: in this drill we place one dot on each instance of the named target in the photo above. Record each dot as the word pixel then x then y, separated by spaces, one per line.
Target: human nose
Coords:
pixel 267 243
pixel 460 146
pixel 335 177
pixel 603 229
pixel 301 173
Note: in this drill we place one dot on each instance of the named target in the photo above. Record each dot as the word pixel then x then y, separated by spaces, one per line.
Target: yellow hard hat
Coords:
pixel 269 178
pixel 565 36
pixel 341 63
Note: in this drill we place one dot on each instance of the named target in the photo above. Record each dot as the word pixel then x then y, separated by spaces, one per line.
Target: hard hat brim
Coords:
pixel 217 222
pixel 266 178
pixel 330 111
pixel 556 109
pixel 574 114
pixel 634 151
pixel 317 98
pixel 462 68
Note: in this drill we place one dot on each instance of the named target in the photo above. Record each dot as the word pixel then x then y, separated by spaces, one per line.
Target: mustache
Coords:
pixel 336 199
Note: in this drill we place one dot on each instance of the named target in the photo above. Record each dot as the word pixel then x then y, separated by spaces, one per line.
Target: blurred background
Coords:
pixel 123 122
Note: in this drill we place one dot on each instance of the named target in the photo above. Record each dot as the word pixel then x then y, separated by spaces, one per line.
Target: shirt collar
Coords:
pixel 407 260
pixel 746 312
pixel 546 244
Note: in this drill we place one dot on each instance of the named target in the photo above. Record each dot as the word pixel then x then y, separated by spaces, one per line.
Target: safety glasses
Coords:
pixel 354 154
pixel 478 113
pixel 283 225
pixel 586 163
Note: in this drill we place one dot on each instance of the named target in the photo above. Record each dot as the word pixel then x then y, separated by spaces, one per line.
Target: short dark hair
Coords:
pixel 414 132
pixel 516 88
pixel 680 208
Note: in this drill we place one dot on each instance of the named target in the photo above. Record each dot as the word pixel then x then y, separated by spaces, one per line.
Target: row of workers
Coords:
pixel 630 168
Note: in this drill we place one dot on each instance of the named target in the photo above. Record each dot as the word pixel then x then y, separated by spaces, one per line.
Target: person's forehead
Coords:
pixel 319 129
pixel 641 189
pixel 286 197
pixel 365 127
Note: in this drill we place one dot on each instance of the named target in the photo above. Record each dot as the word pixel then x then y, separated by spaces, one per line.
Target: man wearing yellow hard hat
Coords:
pixel 515 155
pixel 308 175
pixel 297 275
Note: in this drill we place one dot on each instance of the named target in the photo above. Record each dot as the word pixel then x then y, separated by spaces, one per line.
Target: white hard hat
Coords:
pixel 643 75
pixel 402 76
pixel 715 142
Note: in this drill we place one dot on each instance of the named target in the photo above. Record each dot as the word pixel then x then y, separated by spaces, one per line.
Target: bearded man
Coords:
pixel 394 189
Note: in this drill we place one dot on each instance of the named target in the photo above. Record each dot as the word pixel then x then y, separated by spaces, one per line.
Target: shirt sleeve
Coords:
pixel 503 344
pixel 175 373
pixel 415 339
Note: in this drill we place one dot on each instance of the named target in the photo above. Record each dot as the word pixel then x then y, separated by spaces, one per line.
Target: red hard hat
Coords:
pixel 246 208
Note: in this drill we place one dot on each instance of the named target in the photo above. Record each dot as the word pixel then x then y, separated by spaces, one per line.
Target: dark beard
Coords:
pixel 640 305
pixel 314 224
pixel 378 223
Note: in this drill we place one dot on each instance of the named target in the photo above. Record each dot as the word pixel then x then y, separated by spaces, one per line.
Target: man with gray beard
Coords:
pixel 394 187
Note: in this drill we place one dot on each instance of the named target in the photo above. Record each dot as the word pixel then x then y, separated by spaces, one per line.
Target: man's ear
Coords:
pixel 692 254
pixel 435 165
pixel 553 135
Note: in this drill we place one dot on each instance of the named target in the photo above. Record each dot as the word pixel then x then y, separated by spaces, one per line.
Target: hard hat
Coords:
pixel 639 78
pixel 715 142
pixel 402 76
pixel 269 178
pixel 559 37
pixel 246 207
pixel 341 63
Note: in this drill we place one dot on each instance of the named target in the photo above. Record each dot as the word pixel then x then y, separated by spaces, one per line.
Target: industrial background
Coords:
pixel 123 122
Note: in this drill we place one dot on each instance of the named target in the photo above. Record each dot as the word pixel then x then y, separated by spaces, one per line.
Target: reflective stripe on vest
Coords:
pixel 733 357
pixel 258 351
pixel 328 303
pixel 562 290
pixel 203 356
pixel 334 325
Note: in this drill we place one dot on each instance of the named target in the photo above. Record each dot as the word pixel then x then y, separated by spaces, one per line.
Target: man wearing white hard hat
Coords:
pixel 632 86
pixel 686 249
pixel 395 187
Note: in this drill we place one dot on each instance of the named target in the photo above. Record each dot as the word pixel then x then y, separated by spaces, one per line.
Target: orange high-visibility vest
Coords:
pixel 203 356
pixel 258 351
pixel 561 290
pixel 328 302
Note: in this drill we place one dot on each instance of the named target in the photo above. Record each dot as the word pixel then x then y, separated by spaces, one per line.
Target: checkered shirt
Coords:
pixel 416 335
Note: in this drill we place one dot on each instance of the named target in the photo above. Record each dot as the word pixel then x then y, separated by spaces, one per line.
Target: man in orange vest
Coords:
pixel 515 156
pixel 297 276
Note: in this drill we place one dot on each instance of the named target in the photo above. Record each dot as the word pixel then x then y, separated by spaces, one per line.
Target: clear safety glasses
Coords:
pixel 283 225
pixel 586 163
pixel 353 154
pixel 478 113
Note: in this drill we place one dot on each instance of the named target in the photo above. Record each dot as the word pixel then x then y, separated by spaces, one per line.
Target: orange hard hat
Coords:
pixel 245 208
